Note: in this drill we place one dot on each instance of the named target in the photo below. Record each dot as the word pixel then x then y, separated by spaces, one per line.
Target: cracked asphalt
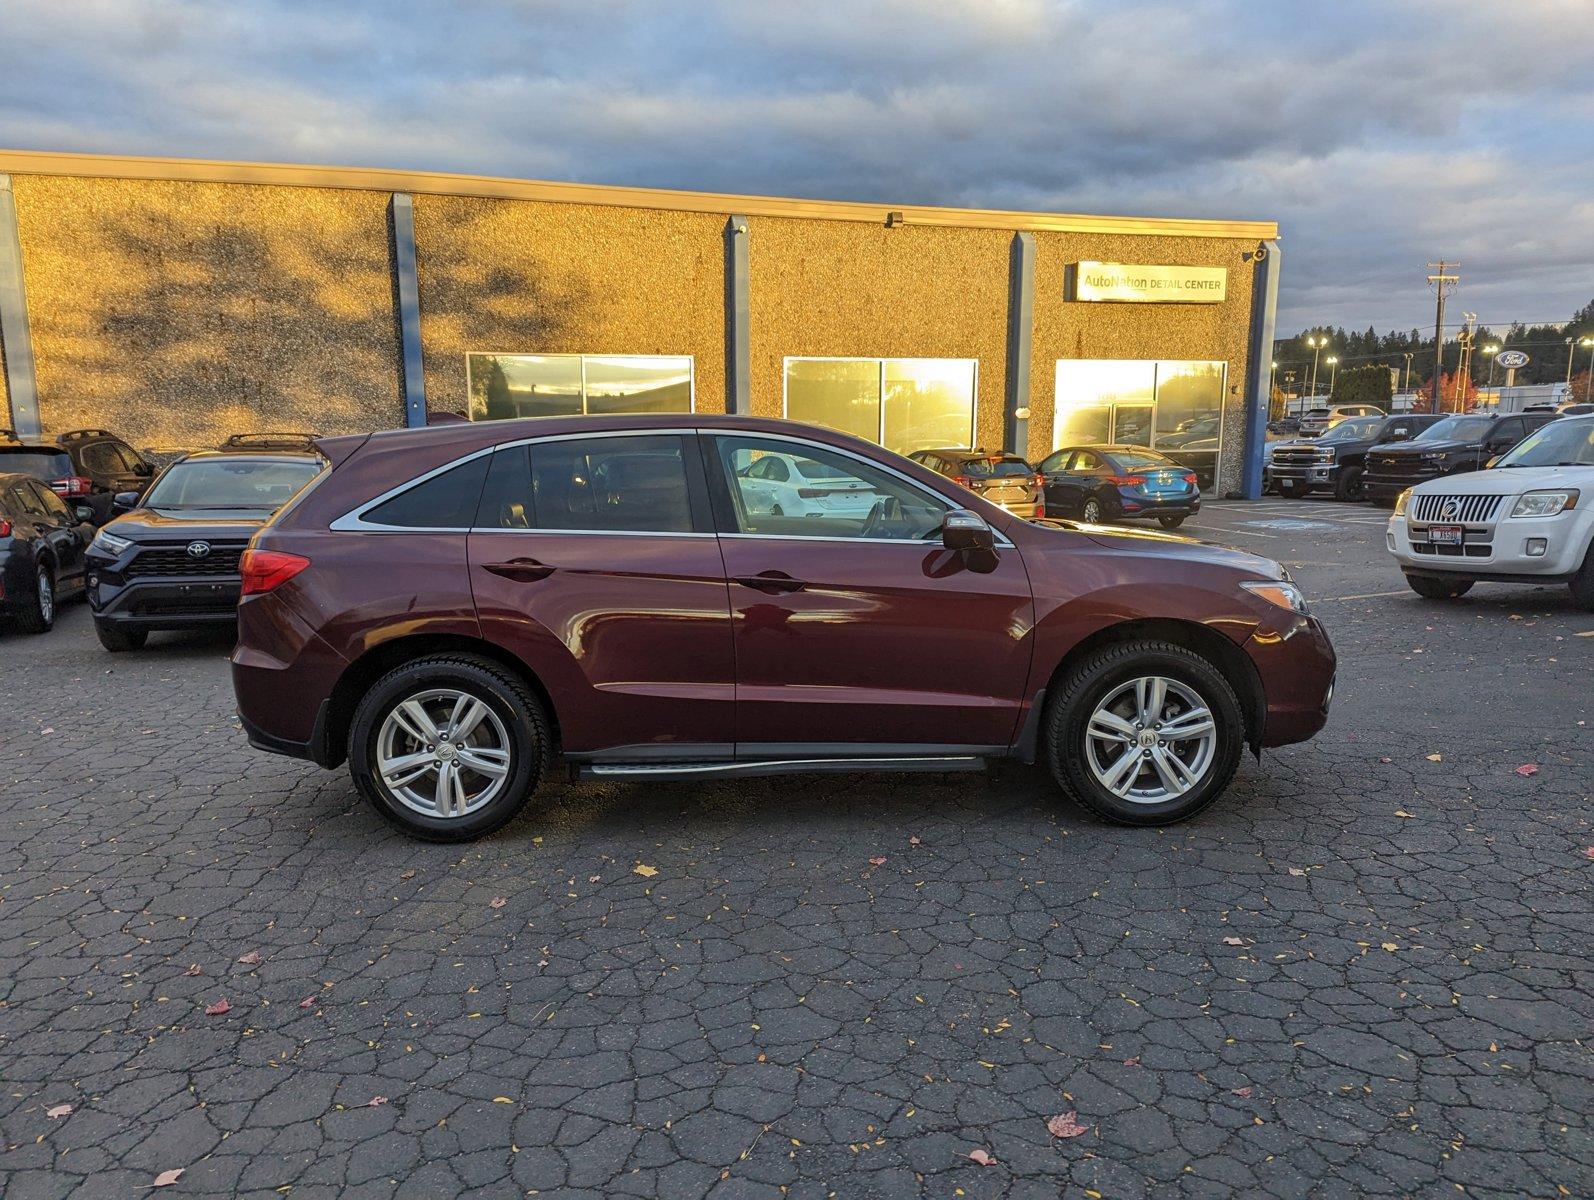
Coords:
pixel 1367 971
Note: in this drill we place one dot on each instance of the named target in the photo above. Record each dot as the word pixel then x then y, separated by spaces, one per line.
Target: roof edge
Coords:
pixel 438 183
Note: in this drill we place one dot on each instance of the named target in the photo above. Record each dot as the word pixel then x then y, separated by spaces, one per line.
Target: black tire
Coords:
pixel 1383 501
pixel 1348 487
pixel 1290 489
pixel 36 611
pixel 117 638
pixel 1090 511
pixel 1170 522
pixel 1089 681
pixel 1581 585
pixel 1433 587
pixel 505 694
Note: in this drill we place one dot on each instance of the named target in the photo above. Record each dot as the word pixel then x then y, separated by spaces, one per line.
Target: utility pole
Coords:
pixel 1439 279
pixel 1407 386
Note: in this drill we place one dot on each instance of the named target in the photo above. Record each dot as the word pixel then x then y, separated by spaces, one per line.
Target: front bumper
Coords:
pixel 1507 548
pixel 1297 665
pixel 1307 477
pixel 166 603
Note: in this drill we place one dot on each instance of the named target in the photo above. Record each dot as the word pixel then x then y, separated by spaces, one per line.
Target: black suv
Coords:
pixel 1456 444
pixel 172 561
pixel 104 465
pixel 1336 461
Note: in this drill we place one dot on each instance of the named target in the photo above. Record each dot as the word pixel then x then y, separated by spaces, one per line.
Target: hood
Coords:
pixel 1508 481
pixel 1125 539
pixel 159 523
pixel 1410 449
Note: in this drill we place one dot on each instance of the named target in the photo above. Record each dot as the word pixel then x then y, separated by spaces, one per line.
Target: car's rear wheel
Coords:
pixel 448 748
pixel 1144 733
pixel 117 638
pixel 36 612
pixel 1170 522
pixel 1433 587
pixel 1349 484
pixel 1090 511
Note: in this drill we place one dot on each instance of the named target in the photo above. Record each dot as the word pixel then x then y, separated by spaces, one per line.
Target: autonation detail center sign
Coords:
pixel 1147 284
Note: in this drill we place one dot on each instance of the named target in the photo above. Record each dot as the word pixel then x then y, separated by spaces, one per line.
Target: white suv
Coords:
pixel 1317 421
pixel 1528 519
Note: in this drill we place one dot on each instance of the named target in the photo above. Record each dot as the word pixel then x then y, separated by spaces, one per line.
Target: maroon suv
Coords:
pixel 450 608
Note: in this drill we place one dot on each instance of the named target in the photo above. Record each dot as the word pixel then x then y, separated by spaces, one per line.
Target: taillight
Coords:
pixel 5 527
pixel 1190 479
pixel 1039 481
pixel 966 480
pixel 1040 506
pixel 1126 480
pixel 267 570
pixel 73 485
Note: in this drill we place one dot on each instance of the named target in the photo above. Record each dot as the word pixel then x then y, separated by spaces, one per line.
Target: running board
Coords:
pixel 776 766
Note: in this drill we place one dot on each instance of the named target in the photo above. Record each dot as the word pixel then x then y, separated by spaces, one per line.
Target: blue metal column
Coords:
pixel 1259 363
pixel 15 340
pixel 738 358
pixel 407 281
pixel 1020 327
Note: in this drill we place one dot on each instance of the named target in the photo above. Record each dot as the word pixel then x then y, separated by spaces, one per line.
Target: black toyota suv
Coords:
pixel 1460 442
pixel 1336 461
pixel 170 561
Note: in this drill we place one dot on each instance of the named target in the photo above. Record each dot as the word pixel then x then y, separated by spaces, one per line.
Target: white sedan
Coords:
pixel 1528 519
pixel 788 485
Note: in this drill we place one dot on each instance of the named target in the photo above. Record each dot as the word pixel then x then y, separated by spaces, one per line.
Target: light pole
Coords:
pixel 1588 384
pixel 1490 351
pixel 1408 356
pixel 1317 344
pixel 1571 353
pixel 1333 372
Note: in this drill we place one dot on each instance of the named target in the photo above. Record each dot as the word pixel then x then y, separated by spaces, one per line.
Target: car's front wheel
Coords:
pixel 117 638
pixel 37 611
pixel 1348 486
pixel 1582 584
pixel 1144 733
pixel 1433 587
pixel 448 748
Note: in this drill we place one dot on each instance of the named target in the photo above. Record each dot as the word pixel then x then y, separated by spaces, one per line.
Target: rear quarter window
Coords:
pixel 445 501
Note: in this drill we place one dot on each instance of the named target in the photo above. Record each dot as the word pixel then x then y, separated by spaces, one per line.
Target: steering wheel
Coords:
pixel 888 508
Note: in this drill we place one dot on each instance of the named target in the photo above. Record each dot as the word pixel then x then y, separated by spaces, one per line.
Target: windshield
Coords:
pixel 41 464
pixel 1455 429
pixel 1349 431
pixel 231 483
pixel 1561 443
pixel 984 468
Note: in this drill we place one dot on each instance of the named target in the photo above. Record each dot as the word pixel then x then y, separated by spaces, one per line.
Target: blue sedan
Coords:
pixel 1111 483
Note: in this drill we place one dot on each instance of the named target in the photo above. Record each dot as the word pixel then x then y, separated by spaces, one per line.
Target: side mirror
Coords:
pixel 145 469
pixel 82 512
pixel 125 501
pixel 964 530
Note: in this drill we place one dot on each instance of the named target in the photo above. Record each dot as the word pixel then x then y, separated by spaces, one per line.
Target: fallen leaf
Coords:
pixel 913 841
pixel 1589 853
pixel 167 1178
pixel 376 1102
pixel 644 870
pixel 217 1009
pixel 1436 758
pixel 594 878
pixel 1233 941
pixel 410 874
pixel 982 1157
pixel 1386 760
pixel 1243 1092
pixel 193 969
pixel 307 1002
pixel 1296 871
pixel 1132 1062
pixel 502 1100
pixel 60 1110
pixel 252 959
pixel 497 902
pixel 879 860
pixel 48 729
pixel 1066 1125
pixel 1400 812
pixel 1527 769
pixel 1391 946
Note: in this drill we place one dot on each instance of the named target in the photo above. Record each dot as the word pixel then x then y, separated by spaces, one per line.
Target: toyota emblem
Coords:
pixel 1450 510
pixel 198 549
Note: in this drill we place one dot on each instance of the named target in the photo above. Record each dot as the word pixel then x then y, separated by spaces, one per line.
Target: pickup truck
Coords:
pixel 1461 442
pixel 1335 462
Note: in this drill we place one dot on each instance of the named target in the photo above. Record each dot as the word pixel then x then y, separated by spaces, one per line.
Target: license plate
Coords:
pixel 1445 535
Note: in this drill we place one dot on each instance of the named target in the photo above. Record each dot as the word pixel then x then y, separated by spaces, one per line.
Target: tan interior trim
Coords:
pixel 193 170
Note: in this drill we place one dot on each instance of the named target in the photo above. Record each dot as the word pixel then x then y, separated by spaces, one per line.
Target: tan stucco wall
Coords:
pixel 1072 329
pixel 176 313
pixel 533 278
pixel 846 289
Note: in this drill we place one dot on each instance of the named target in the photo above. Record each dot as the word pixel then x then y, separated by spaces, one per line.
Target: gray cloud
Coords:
pixel 1378 134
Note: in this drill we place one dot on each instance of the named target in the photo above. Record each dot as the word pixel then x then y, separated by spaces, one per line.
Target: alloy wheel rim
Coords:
pixel 443 753
pixel 46 597
pixel 1092 511
pixel 1151 740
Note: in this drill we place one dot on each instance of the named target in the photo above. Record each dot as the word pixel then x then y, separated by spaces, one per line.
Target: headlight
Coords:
pixel 107 542
pixel 1400 502
pixel 1545 504
pixel 1433 455
pixel 1326 454
pixel 1276 591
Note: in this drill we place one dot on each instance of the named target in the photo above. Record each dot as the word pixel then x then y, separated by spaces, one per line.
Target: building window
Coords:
pixel 905 404
pixel 1169 405
pixel 564 385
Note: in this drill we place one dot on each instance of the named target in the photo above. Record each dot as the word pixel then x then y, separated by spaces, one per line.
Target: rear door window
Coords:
pixel 592 485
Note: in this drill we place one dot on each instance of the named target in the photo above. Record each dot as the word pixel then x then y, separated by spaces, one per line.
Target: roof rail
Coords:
pixel 74 435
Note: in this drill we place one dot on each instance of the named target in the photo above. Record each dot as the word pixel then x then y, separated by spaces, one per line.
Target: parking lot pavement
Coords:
pixel 1369 970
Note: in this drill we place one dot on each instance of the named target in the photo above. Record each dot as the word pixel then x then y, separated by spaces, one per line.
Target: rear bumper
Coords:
pixel 283 677
pixel 1140 506
pixel 312 749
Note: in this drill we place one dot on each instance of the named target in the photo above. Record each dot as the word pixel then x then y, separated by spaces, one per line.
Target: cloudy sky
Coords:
pixel 1379 133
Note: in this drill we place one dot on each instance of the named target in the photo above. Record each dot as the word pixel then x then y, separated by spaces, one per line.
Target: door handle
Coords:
pixel 773 582
pixel 521 570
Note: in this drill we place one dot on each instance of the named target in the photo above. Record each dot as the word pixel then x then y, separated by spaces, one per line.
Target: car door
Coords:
pixel 861 633
pixel 1507 433
pixel 1061 489
pixel 58 530
pixel 593 558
